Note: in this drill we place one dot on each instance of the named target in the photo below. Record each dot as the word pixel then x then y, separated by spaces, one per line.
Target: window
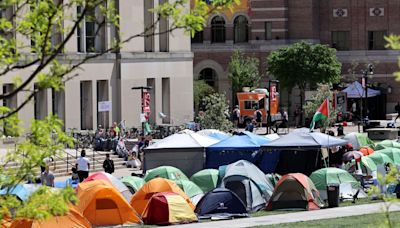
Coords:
pixel 209 76
pixel 198 37
pixel 40 104
pixel 268 30
pixel 241 29
pixel 218 30
pixel 152 83
pixel 166 88
pixel 164 26
pixel 86 105
pixel 250 104
pixel 102 95
pixel 58 103
pixel 148 22
pixel 376 40
pixel 340 40
pixel 56 36
pixel 91 32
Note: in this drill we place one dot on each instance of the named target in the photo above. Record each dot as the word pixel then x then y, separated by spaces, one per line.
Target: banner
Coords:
pixel 104 106
pixel 146 102
pixel 272 90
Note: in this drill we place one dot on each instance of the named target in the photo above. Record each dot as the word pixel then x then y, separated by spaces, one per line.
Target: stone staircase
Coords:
pixel 63 164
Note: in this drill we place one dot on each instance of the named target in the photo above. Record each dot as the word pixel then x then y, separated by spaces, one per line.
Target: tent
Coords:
pixel 300 150
pixel 218 136
pixel 221 201
pixel 206 179
pixel 273 178
pixel 112 180
pixel 368 165
pixel 208 132
pixel 168 208
pixel 356 90
pixel 72 219
pixel 156 185
pixel 167 172
pixel 133 183
pixel 21 191
pixel 366 150
pixel 380 158
pixel 103 205
pixel 387 144
pixel 190 188
pixel 182 150
pixel 249 183
pixel 358 140
pixel 323 177
pixel 295 191
pixel 244 145
pixel 393 154
pixel 272 136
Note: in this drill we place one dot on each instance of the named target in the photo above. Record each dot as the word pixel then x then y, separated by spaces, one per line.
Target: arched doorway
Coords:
pixel 210 76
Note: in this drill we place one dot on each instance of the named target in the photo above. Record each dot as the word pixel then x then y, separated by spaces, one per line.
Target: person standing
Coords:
pixel 258 117
pixel 236 116
pixel 83 166
pixel 47 177
pixel 297 113
pixel 108 165
pixel 397 108
pixel 354 109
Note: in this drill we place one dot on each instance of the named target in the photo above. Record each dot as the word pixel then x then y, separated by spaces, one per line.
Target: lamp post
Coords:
pixel 365 73
pixel 269 119
pixel 142 88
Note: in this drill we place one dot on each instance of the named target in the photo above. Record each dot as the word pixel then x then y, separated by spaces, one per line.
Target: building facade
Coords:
pixel 164 62
pixel 356 28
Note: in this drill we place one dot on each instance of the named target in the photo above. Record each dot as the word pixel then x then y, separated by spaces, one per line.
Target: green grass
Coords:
pixel 372 220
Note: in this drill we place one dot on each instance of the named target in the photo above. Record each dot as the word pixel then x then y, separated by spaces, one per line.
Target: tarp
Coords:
pixel 242 141
pixel 103 205
pixel 358 140
pixel 356 90
pixel 168 208
pixel 133 183
pixel 157 185
pixel 221 201
pixel 190 188
pixel 22 191
pixel 303 139
pixel 209 132
pixel 167 172
pixel 206 179
pixel 183 140
pixel 218 136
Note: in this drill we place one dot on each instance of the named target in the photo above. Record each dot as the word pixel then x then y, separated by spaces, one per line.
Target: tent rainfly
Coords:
pixel 356 90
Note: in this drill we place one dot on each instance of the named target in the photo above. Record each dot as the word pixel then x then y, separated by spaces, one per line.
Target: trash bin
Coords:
pixel 333 195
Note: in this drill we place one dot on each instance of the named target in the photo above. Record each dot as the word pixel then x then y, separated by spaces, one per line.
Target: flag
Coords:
pixel 321 114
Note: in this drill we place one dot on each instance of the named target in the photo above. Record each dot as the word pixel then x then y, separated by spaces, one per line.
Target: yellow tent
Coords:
pixel 103 205
pixel 156 185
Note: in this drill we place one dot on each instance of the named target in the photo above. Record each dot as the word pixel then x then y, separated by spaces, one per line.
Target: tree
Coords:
pixel 41 21
pixel 312 106
pixel 394 43
pixel 200 90
pixel 216 114
pixel 243 72
pixel 303 64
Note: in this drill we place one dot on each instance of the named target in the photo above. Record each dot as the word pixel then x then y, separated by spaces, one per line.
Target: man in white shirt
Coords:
pixel 83 166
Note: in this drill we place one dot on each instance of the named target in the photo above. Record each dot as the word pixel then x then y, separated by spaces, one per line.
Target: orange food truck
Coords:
pixel 259 98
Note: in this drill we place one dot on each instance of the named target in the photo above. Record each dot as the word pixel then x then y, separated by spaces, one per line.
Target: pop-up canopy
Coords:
pixel 356 90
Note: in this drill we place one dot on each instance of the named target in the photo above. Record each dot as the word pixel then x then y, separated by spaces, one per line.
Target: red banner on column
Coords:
pixel 146 102
pixel 272 92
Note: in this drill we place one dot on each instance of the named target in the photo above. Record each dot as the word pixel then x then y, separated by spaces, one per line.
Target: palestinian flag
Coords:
pixel 321 114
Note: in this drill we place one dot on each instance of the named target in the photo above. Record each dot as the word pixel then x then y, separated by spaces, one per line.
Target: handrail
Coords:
pixel 94 160
pixel 66 160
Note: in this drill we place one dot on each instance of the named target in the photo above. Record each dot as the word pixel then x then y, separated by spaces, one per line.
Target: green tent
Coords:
pixel 273 178
pixel 380 158
pixel 206 179
pixel 133 183
pixel 393 153
pixel 167 172
pixel 368 164
pixel 359 140
pixel 387 144
pixel 325 176
pixel 190 188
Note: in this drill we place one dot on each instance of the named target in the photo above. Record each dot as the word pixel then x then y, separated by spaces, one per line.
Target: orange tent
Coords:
pixel 103 205
pixel 72 219
pixel 156 185
pixel 366 150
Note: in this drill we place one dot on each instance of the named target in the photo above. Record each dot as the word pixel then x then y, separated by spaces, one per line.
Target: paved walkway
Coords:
pixel 296 216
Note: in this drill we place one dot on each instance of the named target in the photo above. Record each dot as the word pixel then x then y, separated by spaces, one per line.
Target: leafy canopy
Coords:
pixel 243 71
pixel 216 114
pixel 200 90
pixel 304 63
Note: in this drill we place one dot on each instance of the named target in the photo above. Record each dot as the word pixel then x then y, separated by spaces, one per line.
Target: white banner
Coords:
pixel 104 106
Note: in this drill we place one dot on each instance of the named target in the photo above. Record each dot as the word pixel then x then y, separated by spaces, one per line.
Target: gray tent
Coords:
pixel 249 183
pixel 184 151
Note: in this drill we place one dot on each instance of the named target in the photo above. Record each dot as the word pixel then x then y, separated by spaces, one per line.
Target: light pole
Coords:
pixel 269 119
pixel 141 92
pixel 365 73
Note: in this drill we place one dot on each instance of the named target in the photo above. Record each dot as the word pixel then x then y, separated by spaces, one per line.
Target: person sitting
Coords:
pixel 47 177
pixel 74 175
pixel 250 126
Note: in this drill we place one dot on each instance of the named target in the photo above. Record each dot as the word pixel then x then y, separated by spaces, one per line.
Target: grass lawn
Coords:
pixel 372 220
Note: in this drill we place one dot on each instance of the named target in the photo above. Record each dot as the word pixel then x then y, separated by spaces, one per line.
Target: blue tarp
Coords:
pixel 218 136
pixel 22 191
pixel 244 146
pixel 356 90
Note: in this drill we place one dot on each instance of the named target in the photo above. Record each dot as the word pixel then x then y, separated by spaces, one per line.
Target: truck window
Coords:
pixel 250 104
pixel 261 104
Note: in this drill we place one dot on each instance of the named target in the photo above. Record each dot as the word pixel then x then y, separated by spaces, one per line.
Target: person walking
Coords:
pixel 397 108
pixel 258 117
pixel 236 116
pixel 297 113
pixel 83 166
pixel 108 165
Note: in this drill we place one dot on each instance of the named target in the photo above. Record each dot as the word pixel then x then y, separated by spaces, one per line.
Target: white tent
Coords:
pixel 356 90
pixel 206 132
pixel 183 140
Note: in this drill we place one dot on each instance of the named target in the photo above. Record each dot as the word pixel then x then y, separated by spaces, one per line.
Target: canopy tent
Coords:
pixel 221 201
pixel 272 136
pixel 167 172
pixel 190 188
pixel 133 183
pixel 295 191
pixel 142 197
pixel 218 136
pixel 393 154
pixel 358 140
pixel 21 191
pixel 182 150
pixel 206 179
pixel 103 205
pixel 168 208
pixel 387 144
pixel 244 145
pixel 356 90
pixel 112 180
pixel 208 132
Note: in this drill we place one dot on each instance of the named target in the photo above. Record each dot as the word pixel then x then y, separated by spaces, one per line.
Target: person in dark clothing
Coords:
pixel 397 108
pixel 108 165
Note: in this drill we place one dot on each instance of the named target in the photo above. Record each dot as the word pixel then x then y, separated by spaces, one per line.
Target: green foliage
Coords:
pixel 394 43
pixel 200 90
pixel 311 107
pixel 303 63
pixel 243 71
pixel 215 114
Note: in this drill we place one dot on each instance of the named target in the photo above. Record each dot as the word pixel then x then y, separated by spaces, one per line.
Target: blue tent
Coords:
pixel 221 201
pixel 22 191
pixel 243 146
pixel 64 184
pixel 218 136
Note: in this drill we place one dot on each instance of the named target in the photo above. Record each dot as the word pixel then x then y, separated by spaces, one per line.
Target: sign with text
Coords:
pixel 104 106
pixel 146 102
